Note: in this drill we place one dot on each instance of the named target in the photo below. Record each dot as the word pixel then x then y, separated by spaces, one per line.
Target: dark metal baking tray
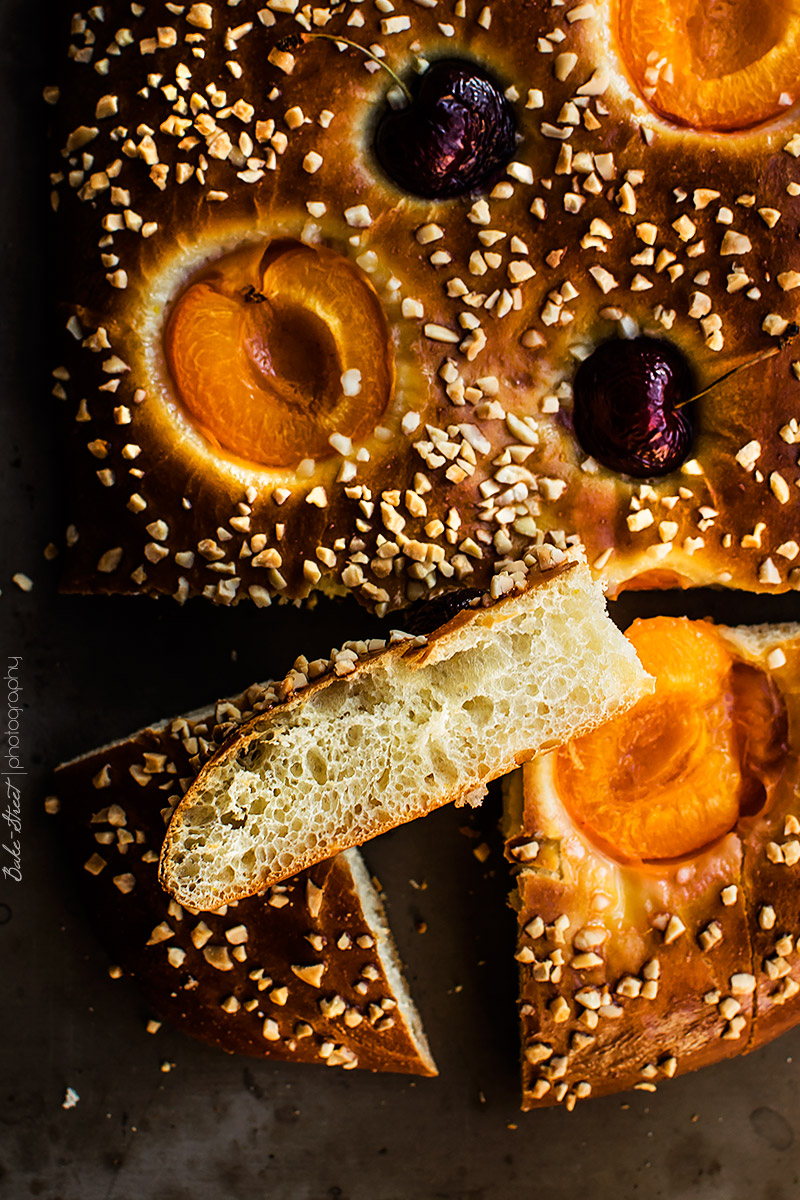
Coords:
pixel 211 1127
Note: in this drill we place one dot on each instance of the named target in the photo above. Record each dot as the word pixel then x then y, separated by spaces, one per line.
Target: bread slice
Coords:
pixel 307 972
pixel 389 736
pixel 632 974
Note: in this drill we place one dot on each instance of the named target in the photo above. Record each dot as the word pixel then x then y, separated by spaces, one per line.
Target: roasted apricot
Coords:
pixel 273 350
pixel 665 779
pixel 713 64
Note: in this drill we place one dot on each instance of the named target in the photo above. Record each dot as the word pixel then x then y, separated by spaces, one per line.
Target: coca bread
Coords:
pixel 284 371
pixel 306 972
pixel 633 970
pixel 357 745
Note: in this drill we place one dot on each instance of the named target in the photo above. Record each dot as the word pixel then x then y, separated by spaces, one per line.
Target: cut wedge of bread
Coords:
pixel 307 972
pixel 384 738
pixel 630 972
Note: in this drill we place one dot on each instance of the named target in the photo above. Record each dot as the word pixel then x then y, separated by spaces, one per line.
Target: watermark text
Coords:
pixel 12 775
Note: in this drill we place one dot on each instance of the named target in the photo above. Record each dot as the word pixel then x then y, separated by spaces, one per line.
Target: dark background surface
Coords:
pixel 212 1126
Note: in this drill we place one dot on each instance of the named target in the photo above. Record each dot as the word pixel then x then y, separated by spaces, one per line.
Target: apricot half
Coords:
pixel 713 64
pixel 273 350
pixel 674 773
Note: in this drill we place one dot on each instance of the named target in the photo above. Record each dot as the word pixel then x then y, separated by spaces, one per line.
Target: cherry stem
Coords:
pixel 790 334
pixel 295 40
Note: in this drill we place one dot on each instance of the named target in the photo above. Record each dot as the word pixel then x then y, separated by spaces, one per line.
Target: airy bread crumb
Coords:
pixel 406 730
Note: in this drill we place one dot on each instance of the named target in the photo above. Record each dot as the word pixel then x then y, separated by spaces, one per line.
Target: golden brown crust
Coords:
pixel 695 961
pixel 771 848
pixel 626 221
pixel 230 978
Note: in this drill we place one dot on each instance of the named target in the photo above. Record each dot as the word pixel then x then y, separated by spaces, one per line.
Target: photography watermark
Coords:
pixel 12 774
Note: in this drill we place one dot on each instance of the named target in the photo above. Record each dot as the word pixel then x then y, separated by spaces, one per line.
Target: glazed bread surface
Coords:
pixel 633 973
pixel 388 738
pixel 184 133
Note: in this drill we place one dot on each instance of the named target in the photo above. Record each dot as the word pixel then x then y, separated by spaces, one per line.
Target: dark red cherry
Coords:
pixel 454 137
pixel 625 412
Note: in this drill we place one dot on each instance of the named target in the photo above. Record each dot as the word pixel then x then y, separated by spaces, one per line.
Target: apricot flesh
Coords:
pixel 673 774
pixel 713 64
pixel 271 351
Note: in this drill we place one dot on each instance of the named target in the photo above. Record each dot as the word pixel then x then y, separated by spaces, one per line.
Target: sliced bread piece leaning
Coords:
pixel 381 739
pixel 307 972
